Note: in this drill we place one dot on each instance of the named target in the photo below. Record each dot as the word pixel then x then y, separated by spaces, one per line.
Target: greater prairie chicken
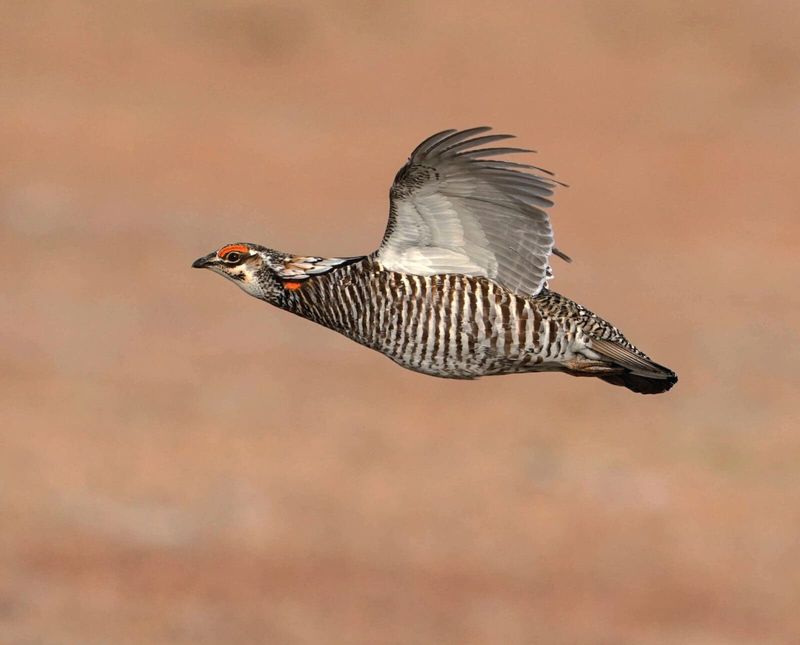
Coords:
pixel 458 286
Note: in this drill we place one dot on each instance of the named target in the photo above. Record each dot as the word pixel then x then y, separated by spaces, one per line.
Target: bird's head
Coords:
pixel 252 267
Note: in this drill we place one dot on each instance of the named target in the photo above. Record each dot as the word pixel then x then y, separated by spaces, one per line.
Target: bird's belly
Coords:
pixel 459 327
pixel 481 361
pixel 466 348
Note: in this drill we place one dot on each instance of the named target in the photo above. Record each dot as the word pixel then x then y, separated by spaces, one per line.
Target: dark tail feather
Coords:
pixel 642 384
pixel 640 373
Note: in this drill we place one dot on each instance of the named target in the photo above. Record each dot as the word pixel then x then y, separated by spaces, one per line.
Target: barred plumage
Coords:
pixel 452 326
pixel 458 286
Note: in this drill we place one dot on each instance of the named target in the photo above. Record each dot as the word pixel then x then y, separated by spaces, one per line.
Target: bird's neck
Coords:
pixel 320 297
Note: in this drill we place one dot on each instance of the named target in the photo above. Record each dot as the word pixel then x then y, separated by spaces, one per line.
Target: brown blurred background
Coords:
pixel 182 464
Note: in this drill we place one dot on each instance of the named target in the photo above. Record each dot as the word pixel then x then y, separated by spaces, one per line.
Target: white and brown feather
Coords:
pixel 451 325
pixel 302 267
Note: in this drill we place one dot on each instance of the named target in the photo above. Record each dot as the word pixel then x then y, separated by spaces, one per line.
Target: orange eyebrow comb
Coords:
pixel 241 248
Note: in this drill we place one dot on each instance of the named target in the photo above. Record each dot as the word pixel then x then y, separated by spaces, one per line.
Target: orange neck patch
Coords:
pixel 292 286
pixel 241 248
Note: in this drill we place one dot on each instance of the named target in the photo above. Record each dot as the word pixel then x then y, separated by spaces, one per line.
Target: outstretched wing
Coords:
pixel 455 210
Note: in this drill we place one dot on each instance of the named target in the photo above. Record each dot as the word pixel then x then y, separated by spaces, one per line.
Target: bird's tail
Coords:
pixel 636 371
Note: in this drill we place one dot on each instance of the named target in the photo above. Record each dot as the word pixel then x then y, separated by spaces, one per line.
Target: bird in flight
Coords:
pixel 458 287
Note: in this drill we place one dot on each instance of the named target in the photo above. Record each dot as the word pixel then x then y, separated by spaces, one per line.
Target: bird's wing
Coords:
pixel 455 210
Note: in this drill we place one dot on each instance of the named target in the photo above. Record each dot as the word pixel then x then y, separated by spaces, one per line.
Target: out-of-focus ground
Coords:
pixel 181 464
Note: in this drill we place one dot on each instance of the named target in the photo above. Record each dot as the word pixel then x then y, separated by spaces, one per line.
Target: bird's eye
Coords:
pixel 233 256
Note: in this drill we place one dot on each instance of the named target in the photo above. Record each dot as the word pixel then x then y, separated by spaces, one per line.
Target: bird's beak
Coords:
pixel 202 263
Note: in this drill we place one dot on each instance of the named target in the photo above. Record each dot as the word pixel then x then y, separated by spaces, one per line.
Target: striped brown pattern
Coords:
pixel 453 326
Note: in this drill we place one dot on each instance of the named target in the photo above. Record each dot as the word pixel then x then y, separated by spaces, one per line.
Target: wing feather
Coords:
pixel 455 210
pixel 447 138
